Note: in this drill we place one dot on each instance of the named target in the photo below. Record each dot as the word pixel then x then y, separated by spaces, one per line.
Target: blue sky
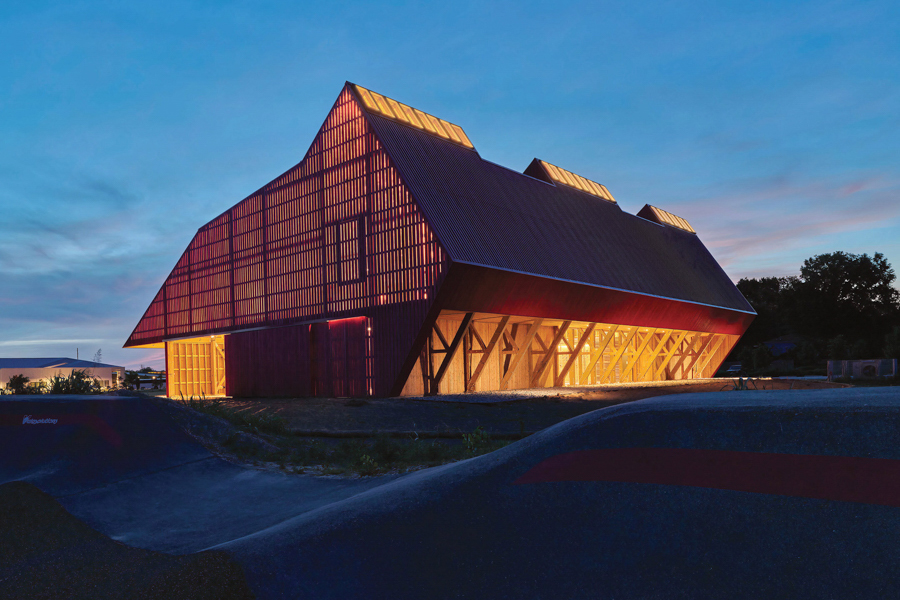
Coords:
pixel 772 127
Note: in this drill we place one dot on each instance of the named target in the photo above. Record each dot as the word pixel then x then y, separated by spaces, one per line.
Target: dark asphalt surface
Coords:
pixel 722 495
pixel 468 530
pixel 125 469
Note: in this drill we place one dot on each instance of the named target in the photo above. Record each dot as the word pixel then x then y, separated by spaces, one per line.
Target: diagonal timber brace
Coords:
pixel 617 356
pixel 669 354
pixel 576 354
pixel 550 354
pixel 451 349
pixel 523 349
pixel 470 387
pixel 596 354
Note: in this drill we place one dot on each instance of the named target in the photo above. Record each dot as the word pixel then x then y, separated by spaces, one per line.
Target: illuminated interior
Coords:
pixel 469 352
pixel 669 219
pixel 411 116
pixel 560 175
pixel 196 366
pixel 290 270
pixel 336 234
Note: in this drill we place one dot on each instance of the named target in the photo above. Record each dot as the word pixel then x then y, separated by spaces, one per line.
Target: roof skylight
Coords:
pixel 560 175
pixel 398 111
pixel 669 219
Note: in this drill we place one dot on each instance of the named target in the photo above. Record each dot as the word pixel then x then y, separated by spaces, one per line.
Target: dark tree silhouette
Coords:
pixel 845 303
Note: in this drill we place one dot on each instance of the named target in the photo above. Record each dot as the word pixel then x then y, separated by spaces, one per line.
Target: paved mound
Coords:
pixel 730 495
pixel 127 469
pixel 48 553
pixel 71 444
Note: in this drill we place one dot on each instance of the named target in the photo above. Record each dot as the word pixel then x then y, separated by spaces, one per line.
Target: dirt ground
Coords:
pixel 503 418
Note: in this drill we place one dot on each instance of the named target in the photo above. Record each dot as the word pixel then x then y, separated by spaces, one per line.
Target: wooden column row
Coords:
pixel 534 354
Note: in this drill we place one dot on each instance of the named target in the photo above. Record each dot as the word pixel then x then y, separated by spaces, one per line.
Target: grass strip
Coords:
pixel 340 453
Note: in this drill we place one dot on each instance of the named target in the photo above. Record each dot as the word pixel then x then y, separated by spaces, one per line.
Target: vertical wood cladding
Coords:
pixel 268 362
pixel 337 236
pixel 318 359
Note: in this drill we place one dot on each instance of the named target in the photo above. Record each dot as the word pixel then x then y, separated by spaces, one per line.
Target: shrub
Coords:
pixel 477 441
pixel 17 384
pixel 79 382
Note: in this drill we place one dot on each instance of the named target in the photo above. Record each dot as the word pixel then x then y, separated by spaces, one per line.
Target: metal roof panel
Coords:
pixel 486 214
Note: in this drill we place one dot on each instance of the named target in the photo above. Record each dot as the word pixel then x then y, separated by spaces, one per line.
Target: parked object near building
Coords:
pixel 36 369
pixel 394 260
pixel 785 343
pixel 862 369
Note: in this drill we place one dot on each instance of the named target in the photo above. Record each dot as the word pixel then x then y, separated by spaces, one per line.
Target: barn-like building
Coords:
pixel 394 260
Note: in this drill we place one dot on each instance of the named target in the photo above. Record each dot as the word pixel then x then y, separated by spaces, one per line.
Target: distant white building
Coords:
pixel 36 369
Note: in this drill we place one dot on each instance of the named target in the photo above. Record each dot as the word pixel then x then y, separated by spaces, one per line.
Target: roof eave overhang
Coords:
pixel 480 288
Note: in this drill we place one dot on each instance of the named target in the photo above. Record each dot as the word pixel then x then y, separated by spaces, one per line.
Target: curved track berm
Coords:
pixel 729 495
pixel 723 495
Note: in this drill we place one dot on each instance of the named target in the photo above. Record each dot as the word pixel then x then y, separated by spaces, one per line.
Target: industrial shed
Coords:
pixel 44 369
pixel 394 260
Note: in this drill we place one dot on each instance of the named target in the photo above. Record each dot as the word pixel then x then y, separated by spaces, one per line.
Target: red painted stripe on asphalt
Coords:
pixel 843 478
pixel 38 421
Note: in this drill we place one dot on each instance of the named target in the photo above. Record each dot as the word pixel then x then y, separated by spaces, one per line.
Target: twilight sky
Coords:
pixel 772 127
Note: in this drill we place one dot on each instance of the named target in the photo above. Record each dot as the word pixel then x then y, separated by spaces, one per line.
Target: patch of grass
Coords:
pixel 363 456
pixel 366 457
pixel 252 423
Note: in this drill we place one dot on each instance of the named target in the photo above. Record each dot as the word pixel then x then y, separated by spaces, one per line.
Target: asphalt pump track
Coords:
pixel 724 495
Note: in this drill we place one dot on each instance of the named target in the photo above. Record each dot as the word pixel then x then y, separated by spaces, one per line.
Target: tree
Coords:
pixel 767 296
pixel 842 293
pixel 838 348
pixel 132 379
pixel 892 344
pixel 836 294
pixel 98 355
pixel 18 384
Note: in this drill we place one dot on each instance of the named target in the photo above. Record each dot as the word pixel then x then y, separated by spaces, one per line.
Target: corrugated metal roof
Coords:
pixel 50 363
pixel 486 214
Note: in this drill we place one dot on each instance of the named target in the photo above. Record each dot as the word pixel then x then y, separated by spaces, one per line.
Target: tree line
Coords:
pixel 841 306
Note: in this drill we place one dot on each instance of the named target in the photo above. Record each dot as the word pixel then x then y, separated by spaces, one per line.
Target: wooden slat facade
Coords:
pixel 331 281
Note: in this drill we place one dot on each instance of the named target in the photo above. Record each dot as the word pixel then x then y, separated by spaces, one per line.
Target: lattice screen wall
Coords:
pixel 336 234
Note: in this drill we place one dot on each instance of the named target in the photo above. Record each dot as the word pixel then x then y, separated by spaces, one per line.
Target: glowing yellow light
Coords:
pixel 398 112
pixel 461 135
pixel 554 173
pixel 582 183
pixel 411 116
pixel 423 118
pixel 389 107
pixel 382 104
pixel 449 129
pixel 596 189
pixel 576 181
pixel 436 123
pixel 367 99
pixel 568 177
pixel 606 191
pixel 673 220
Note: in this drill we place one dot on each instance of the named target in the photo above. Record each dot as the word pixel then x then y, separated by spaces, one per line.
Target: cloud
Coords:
pixel 47 342
pixel 769 223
